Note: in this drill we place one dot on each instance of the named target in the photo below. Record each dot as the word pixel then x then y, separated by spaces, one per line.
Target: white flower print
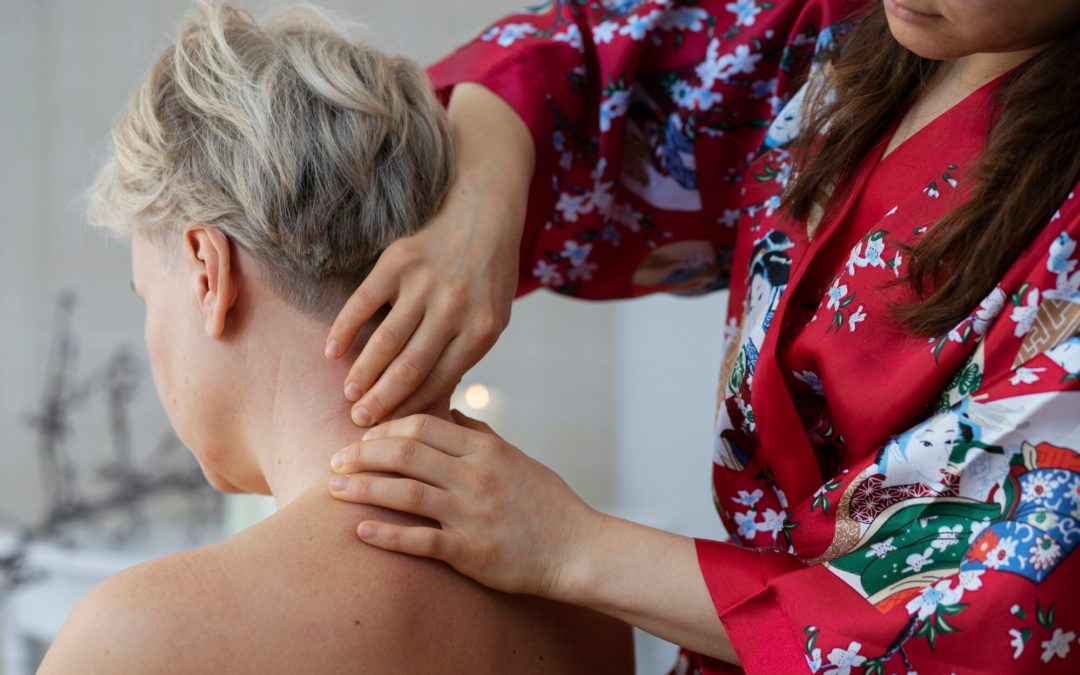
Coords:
pixel 1038 486
pixel 1062 263
pixel 813 660
pixel 976 529
pixel 874 247
pixel 571 206
pixel 612 107
pixel 682 92
pixel 896 262
pixel 716 66
pixel 931 190
pixel 1024 375
pixel 571 36
pixel 780 497
pixel 835 294
pixel 1024 315
pixel 1057 645
pixel 881 548
pixel 772 522
pixel 547 273
pixel 511 33
pixel 1017 642
pixel 1044 552
pixel 637 27
pixel 739 62
pixel 858 316
pixel 1002 553
pixel 854 258
pixel 1061 252
pixel 970 580
pixel 745 11
pixel 917 561
pixel 947 536
pixel 710 69
pixel 730 218
pixel 604 32
pixel 926 602
pixel 683 18
pixel 745 523
pixel 748 498
pixel 582 272
pixel 843 660
pixel 988 310
pixel 620 6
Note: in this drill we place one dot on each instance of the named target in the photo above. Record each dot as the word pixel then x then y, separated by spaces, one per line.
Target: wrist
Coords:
pixel 581 568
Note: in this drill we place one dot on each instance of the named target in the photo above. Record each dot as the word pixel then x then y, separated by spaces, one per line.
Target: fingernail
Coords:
pixel 337 461
pixel 331 349
pixel 368 531
pixel 352 391
pixel 339 483
pixel 371 433
pixel 360 416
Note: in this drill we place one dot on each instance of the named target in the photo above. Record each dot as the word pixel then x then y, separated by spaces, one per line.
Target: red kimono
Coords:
pixel 896 504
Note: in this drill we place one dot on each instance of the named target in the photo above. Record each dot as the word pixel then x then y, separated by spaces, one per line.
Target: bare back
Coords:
pixel 299 593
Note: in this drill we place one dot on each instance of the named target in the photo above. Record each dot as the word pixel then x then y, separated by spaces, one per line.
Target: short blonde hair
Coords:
pixel 311 152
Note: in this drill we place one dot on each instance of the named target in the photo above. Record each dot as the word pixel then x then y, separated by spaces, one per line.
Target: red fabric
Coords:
pixel 895 503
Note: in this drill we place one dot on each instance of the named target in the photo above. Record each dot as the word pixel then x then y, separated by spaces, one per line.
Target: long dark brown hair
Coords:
pixel 1029 164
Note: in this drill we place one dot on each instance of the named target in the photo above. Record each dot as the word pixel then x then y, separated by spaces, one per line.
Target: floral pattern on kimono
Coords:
pixel 889 496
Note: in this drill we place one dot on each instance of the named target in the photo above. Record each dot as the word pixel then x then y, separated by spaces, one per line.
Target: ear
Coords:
pixel 208 255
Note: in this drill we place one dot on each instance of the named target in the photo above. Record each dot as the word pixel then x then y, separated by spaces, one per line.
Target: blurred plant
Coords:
pixel 129 485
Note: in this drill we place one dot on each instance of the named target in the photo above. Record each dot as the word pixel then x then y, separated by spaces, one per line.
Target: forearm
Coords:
pixel 647 578
pixel 496 157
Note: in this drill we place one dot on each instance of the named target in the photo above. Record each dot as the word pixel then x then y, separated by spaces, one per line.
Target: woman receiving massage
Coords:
pixel 889 191
pixel 258 171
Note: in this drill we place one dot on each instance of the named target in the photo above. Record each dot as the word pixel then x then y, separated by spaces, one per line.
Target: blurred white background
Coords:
pixel 616 397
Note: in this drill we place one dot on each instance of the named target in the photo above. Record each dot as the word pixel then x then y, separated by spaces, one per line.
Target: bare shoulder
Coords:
pixel 300 593
pixel 152 618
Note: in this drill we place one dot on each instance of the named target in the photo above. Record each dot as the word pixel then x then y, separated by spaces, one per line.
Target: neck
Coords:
pixel 297 416
pixel 968 73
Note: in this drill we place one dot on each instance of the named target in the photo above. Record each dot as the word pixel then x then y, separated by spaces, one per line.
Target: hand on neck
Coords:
pixel 294 415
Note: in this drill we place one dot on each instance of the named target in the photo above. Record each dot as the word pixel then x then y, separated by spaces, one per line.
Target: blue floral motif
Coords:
pixel 1041 532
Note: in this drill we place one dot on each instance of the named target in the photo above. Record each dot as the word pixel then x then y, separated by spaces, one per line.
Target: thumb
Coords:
pixel 470 423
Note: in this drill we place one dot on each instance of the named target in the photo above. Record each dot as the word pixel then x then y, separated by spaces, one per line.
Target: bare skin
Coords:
pixel 244 381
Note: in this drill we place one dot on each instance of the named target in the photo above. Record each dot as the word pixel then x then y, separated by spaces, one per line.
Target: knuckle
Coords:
pixel 403 251
pixel 415 494
pixel 408 370
pixel 375 405
pixel 386 338
pixel 405 453
pixel 416 426
pixel 429 545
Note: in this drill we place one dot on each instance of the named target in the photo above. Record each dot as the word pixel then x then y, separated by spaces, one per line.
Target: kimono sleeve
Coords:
pixel 960 537
pixel 632 105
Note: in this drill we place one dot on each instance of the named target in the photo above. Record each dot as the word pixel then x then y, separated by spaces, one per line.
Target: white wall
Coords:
pixel 617 398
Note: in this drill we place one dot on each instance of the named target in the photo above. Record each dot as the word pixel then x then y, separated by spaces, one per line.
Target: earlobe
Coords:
pixel 209 253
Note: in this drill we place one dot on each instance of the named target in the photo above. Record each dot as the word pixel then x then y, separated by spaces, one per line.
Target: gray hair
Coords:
pixel 311 152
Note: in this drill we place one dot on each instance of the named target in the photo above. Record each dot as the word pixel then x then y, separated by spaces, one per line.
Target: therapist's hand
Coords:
pixel 450 286
pixel 507 521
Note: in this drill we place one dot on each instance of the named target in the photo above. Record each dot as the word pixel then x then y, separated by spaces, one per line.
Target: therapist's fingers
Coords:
pixel 430 430
pixel 426 542
pixel 381 348
pixel 461 354
pixel 400 494
pixel 405 456
pixel 379 288
pixel 404 375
